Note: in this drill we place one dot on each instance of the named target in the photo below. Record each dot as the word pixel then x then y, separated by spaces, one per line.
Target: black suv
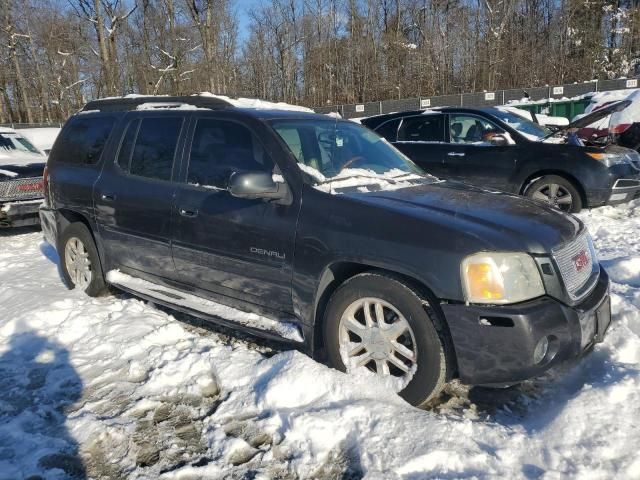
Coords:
pixel 317 232
pixel 498 149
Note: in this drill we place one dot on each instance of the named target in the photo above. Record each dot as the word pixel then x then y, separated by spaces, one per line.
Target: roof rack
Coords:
pixel 119 104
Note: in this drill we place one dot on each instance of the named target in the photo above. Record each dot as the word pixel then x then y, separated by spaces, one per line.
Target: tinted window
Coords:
pixel 424 128
pixel 155 147
pixel 389 130
pixel 471 130
pixel 83 140
pixel 220 148
pixel 124 155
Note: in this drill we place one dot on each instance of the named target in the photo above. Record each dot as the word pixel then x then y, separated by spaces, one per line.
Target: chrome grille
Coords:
pixel 21 189
pixel 576 262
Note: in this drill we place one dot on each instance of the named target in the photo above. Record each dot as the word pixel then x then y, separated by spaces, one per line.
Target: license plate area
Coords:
pixel 594 324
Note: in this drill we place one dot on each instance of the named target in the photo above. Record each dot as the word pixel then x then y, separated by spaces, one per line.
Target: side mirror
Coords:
pixel 258 185
pixel 499 140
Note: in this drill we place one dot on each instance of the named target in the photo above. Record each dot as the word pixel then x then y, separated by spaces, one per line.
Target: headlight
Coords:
pixel 500 278
pixel 610 159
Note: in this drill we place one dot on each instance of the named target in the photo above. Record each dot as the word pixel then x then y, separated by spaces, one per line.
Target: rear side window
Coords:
pixel 423 128
pixel 149 146
pixel 83 140
pixel 220 148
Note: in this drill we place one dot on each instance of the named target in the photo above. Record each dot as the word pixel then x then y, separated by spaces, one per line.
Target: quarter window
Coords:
pixel 83 140
pixel 220 148
pixel 423 128
pixel 154 147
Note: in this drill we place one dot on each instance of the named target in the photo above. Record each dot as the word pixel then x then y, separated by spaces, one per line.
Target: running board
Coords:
pixel 171 296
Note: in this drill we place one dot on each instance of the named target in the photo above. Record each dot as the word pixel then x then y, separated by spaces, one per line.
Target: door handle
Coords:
pixel 108 197
pixel 455 154
pixel 188 213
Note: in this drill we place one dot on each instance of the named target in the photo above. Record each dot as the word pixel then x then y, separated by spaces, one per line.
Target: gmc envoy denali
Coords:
pixel 317 232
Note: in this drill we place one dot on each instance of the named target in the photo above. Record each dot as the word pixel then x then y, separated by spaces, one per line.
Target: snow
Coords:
pixel 116 387
pixel 43 138
pixel 257 103
pixel 363 179
pixel 12 157
pixel 168 106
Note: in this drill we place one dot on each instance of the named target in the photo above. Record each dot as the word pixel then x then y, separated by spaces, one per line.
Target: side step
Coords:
pixel 171 296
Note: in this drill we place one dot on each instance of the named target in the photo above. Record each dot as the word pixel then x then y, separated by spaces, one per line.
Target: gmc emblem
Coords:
pixel 581 260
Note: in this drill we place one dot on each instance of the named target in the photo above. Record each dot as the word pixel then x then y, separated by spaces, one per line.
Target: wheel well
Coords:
pixel 70 216
pixel 339 273
pixel 574 181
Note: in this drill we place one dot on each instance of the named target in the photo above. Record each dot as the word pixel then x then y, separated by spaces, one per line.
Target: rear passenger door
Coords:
pixel 421 138
pixel 135 193
pixel 238 248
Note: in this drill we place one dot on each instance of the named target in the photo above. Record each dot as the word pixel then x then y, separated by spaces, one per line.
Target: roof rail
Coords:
pixel 119 104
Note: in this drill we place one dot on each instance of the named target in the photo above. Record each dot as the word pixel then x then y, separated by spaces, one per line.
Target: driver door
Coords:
pixel 471 156
pixel 239 248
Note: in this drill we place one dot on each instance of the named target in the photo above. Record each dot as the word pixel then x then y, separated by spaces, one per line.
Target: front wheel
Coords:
pixel 80 262
pixel 556 191
pixel 376 325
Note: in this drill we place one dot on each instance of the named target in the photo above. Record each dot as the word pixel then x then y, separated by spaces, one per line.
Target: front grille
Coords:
pixel 21 189
pixel 577 263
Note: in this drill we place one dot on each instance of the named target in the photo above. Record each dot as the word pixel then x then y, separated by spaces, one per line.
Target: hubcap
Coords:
pixel 555 195
pixel 76 258
pixel 374 335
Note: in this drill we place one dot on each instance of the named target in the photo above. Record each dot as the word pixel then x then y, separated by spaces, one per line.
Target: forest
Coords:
pixel 57 54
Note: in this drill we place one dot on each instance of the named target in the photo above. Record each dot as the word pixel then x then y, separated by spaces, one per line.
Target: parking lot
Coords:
pixel 115 387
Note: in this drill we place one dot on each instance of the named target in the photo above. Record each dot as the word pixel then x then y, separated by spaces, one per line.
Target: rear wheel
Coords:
pixel 80 262
pixel 556 191
pixel 375 325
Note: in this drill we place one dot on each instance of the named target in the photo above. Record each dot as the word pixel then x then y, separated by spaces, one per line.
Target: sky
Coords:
pixel 243 7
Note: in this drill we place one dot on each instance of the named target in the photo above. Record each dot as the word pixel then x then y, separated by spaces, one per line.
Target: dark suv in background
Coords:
pixel 497 149
pixel 317 232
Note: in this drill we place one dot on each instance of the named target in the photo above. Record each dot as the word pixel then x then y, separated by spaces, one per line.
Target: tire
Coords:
pixel 543 190
pixel 77 240
pixel 430 370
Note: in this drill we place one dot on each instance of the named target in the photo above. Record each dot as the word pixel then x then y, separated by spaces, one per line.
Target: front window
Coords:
pixel 469 129
pixel 529 129
pixel 328 151
pixel 15 141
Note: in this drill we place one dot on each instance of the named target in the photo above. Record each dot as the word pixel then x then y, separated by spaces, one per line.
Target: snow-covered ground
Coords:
pixel 116 387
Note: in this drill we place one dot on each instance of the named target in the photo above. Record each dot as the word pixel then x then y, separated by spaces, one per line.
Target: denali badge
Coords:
pixel 268 253
pixel 581 260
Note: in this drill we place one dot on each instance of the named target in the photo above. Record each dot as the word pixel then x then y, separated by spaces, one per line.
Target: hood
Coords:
pixel 17 165
pixel 598 114
pixel 499 221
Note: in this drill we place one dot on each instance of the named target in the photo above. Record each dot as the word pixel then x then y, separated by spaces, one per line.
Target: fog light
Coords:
pixel 541 350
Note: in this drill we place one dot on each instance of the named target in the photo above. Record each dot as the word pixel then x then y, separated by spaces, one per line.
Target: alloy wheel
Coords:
pixel 374 335
pixel 555 195
pixel 76 258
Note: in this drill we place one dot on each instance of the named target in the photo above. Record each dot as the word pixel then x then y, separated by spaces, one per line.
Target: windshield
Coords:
pixel 521 124
pixel 14 141
pixel 328 150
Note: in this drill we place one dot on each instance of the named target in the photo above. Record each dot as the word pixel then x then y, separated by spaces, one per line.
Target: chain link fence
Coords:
pixel 18 126
pixel 482 99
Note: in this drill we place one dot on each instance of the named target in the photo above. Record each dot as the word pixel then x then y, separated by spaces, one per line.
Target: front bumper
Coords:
pixel 624 190
pixel 494 345
pixel 19 213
